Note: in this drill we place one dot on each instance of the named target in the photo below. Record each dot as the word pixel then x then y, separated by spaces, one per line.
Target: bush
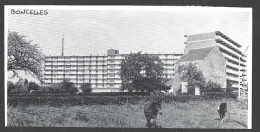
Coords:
pixel 10 87
pixel 213 87
pixel 65 87
pixel 229 86
pixel 86 87
pixel 15 89
pixel 33 86
pixel 47 90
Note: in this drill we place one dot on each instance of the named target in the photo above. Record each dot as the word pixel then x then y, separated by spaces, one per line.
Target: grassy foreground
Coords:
pixel 191 114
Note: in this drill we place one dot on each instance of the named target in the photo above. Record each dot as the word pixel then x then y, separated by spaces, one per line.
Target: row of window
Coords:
pixel 74 66
pixel 78 75
pixel 76 57
pixel 103 57
pixel 68 71
pixel 73 61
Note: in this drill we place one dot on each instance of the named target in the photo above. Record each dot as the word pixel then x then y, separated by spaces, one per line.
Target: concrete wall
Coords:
pixel 202 36
pixel 199 45
pixel 215 67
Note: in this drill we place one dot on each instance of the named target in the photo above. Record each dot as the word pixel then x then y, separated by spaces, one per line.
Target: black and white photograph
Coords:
pixel 128 66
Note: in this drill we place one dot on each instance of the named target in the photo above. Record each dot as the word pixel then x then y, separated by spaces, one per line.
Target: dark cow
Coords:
pixel 222 109
pixel 151 110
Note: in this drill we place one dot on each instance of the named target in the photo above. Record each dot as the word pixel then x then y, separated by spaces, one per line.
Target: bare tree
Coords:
pixel 24 56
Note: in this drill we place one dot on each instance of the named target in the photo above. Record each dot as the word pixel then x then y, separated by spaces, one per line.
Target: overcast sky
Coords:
pixel 94 31
pixel 91 31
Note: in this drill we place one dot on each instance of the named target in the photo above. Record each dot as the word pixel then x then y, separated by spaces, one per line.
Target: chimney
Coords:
pixel 62 53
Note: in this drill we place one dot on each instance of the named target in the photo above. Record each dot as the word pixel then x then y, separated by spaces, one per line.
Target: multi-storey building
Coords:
pixel 100 71
pixel 235 59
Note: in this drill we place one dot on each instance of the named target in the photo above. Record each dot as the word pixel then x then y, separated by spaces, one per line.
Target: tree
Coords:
pixel 24 56
pixel 192 75
pixel 86 87
pixel 142 72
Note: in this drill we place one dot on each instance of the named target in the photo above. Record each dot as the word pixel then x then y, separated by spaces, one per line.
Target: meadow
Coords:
pixel 188 114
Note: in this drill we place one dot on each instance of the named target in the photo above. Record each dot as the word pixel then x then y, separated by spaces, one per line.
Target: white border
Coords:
pixel 249 73
pixel 5 55
pixel 133 8
pixel 139 8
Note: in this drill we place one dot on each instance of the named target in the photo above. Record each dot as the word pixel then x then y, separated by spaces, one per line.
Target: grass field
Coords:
pixel 191 114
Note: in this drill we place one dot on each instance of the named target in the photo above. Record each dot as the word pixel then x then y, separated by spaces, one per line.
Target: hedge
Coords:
pixel 74 100
pixel 59 100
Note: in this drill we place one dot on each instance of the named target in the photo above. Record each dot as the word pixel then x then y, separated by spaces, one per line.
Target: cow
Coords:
pixel 222 109
pixel 151 110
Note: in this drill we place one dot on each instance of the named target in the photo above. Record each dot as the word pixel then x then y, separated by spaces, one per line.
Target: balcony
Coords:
pixel 60 76
pixel 93 68
pixel 230 45
pixel 233 78
pixel 118 81
pixel 117 62
pixel 80 72
pixel 74 63
pixel 232 65
pixel 47 72
pixel 162 57
pixel 48 59
pixel 232 71
pixel 230 57
pixel 80 64
pixel 47 81
pixel 73 58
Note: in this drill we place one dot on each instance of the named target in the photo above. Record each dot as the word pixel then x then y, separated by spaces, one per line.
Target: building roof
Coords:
pixel 196 54
pixel 49 56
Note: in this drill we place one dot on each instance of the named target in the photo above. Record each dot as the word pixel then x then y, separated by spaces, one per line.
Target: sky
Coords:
pixel 92 30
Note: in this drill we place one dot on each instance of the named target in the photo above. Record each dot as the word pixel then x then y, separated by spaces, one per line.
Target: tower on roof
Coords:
pixel 62 52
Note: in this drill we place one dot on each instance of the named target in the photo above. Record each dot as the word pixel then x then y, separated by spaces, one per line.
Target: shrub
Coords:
pixel 213 87
pixel 229 86
pixel 86 87
pixel 10 87
pixel 47 90
pixel 65 87
pixel 33 86
pixel 68 87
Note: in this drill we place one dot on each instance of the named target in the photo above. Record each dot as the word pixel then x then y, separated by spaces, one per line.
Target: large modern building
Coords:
pixel 235 59
pixel 101 71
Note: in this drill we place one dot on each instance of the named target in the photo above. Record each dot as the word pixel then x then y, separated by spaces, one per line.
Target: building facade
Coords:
pixel 235 59
pixel 210 61
pixel 102 72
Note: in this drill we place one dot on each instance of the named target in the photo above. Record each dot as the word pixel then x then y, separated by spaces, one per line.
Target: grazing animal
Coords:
pixel 222 109
pixel 151 110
